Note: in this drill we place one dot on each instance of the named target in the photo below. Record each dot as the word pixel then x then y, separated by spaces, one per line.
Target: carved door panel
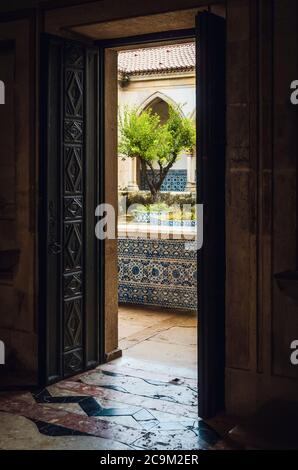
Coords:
pixel 69 189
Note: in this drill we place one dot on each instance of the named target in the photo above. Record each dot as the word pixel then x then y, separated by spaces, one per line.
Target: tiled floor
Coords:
pixel 133 402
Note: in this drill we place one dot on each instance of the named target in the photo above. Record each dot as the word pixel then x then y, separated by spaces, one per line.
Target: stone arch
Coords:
pixel 157 101
pixel 193 114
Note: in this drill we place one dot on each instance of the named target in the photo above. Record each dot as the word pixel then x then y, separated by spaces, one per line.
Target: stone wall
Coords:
pixel 261 234
pixel 261 206
pixel 17 213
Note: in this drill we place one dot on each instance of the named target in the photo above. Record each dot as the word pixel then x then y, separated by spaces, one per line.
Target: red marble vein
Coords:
pixel 96 427
pixel 33 411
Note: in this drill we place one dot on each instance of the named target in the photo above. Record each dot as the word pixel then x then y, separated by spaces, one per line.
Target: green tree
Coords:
pixel 142 136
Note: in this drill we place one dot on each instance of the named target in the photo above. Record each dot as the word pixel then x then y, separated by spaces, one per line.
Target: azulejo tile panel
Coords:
pixel 175 180
pixel 160 249
pixel 157 272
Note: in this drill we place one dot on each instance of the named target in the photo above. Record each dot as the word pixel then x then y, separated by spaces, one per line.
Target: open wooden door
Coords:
pixel 211 193
pixel 70 276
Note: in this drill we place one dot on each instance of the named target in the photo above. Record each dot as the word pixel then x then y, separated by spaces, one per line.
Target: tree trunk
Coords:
pixel 150 183
pixel 154 186
pixel 155 195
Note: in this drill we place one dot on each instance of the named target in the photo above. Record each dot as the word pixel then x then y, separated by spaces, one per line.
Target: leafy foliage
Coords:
pixel 142 136
pixel 171 199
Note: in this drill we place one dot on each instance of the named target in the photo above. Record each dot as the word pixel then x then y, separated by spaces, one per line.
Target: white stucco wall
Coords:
pixel 177 88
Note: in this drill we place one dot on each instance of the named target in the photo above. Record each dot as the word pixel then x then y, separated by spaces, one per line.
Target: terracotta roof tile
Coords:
pixel 157 59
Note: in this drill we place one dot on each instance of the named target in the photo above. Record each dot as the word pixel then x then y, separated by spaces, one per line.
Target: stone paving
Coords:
pixel 130 403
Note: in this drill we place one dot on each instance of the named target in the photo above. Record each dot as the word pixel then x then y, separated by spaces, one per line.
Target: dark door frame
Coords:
pixel 211 367
pixel 211 163
pixel 211 327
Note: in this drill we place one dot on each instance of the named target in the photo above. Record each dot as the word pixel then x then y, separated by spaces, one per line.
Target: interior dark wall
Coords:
pixel 261 318
pixel 17 205
pixel 7 156
pixel 16 5
pixel 261 186
pixel 260 191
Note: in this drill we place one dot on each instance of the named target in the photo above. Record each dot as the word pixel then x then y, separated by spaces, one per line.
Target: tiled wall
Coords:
pixel 175 180
pixel 157 272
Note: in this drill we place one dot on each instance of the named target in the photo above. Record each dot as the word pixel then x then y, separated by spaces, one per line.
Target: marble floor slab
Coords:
pixel 73 414
pixel 139 401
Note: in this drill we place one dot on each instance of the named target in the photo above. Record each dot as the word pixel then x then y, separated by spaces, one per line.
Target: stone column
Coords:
pixel 132 181
pixel 191 179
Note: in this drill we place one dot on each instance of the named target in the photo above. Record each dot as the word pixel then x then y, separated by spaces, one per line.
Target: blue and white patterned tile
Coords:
pixel 164 249
pixel 157 296
pixel 161 273
pixel 158 272
pixel 175 180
